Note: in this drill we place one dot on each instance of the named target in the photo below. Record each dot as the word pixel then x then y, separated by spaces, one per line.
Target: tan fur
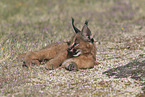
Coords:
pixel 80 53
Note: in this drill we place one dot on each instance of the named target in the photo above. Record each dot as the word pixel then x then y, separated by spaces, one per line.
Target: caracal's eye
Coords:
pixel 76 44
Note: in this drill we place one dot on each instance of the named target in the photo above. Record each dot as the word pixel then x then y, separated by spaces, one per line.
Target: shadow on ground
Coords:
pixel 134 69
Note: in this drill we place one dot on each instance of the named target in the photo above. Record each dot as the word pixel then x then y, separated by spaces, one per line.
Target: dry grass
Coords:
pixel 117 25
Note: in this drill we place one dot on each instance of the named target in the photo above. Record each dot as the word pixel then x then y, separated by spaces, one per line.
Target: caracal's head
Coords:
pixel 82 41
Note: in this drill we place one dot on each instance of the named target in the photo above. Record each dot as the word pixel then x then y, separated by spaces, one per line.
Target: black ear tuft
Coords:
pixel 76 30
pixel 72 20
pixel 86 22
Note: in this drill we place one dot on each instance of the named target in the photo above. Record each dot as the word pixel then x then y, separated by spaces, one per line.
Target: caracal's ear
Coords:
pixel 76 30
pixel 86 32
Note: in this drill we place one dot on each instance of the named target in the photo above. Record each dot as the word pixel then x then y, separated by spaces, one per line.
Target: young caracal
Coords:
pixel 78 53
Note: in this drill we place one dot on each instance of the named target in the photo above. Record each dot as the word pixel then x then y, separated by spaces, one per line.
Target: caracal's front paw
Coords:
pixel 71 66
